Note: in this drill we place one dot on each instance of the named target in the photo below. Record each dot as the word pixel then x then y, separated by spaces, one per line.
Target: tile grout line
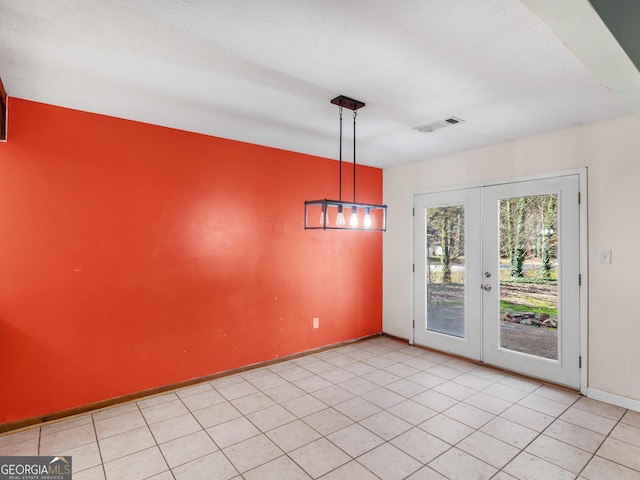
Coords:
pixel 154 436
pixel 452 379
pixel 220 449
pixel 540 433
pixel 95 432
pixel 322 436
pixel 606 437
pixel 157 445
pixel 523 449
pixel 387 442
pixel 452 446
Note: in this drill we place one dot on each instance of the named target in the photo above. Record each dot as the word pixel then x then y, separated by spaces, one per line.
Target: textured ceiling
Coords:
pixel 264 71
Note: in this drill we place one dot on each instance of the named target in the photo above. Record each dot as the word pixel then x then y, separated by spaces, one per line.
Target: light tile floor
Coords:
pixel 377 409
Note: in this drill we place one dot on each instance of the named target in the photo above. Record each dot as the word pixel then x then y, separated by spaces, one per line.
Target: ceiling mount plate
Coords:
pixel 347 102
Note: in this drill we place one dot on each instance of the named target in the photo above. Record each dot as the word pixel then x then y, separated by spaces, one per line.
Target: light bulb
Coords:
pixel 340 221
pixel 354 217
pixel 367 217
pixel 322 215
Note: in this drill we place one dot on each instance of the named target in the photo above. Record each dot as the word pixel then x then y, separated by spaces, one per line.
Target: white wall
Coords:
pixel 611 151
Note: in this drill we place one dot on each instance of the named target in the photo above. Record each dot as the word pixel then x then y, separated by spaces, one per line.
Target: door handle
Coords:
pixel 486 287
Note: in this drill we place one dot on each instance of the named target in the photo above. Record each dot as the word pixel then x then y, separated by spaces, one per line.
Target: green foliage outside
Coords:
pixel 528 255
pixel 506 307
pixel 528 232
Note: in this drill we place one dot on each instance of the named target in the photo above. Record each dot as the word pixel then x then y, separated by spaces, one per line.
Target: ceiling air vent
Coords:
pixel 438 125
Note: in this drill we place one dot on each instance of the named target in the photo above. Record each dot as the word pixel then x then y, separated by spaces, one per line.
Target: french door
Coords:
pixel 497 275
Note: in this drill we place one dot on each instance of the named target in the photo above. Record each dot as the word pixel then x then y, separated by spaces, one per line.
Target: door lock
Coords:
pixel 487 274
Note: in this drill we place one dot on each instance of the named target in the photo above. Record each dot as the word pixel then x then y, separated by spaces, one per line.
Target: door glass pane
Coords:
pixel 529 275
pixel 445 270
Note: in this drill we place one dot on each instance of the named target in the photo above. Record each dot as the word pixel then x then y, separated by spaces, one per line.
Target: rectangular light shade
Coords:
pixel 323 215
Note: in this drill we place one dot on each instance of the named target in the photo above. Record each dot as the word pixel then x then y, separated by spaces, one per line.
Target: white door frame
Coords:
pixel 584 256
pixel 469 345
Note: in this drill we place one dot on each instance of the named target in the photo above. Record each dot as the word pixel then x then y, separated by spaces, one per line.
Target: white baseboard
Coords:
pixel 614 399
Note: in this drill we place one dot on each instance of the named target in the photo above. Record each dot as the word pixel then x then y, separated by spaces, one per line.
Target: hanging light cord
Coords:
pixel 355 114
pixel 340 195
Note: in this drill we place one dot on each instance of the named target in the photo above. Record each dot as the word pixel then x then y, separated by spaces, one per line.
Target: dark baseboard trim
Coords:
pixel 71 412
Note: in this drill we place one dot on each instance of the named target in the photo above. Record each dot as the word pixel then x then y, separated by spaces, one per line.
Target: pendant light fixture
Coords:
pixel 328 214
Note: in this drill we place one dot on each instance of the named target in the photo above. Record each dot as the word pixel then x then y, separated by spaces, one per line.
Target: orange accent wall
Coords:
pixel 134 256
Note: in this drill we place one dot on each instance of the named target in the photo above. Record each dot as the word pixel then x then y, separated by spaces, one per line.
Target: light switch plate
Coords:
pixel 605 256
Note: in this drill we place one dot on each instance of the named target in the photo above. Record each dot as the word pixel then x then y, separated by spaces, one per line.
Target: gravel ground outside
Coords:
pixel 539 341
